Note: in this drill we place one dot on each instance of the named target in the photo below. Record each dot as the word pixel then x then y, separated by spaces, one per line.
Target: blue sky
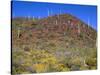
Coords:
pixel 86 13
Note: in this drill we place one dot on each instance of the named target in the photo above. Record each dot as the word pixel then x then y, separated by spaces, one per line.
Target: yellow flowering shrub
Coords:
pixel 40 67
pixel 61 67
pixel 34 61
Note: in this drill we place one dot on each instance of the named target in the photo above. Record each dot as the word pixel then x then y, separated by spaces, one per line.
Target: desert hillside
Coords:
pixel 52 44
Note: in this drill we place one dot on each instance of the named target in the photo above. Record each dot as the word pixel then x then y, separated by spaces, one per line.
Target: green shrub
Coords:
pixel 91 61
pixel 41 60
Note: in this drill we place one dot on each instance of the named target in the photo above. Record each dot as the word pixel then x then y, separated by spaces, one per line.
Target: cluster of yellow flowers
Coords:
pixel 36 61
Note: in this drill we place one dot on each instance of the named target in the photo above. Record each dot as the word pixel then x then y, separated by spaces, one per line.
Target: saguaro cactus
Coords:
pixel 88 22
pixel 18 32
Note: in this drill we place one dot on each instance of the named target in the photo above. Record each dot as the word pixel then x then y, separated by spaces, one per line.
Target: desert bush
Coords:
pixel 74 63
pixel 41 60
pixel 62 67
pixel 91 62
pixel 40 67
pixel 84 67
pixel 38 26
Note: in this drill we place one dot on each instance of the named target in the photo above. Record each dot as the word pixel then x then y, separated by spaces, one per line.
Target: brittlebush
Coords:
pixel 34 61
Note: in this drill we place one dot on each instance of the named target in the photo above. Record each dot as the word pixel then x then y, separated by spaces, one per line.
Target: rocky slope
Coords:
pixel 69 40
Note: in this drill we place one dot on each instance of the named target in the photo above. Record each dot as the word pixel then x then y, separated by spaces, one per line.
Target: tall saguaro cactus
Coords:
pixel 88 22
pixel 18 32
pixel 56 22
